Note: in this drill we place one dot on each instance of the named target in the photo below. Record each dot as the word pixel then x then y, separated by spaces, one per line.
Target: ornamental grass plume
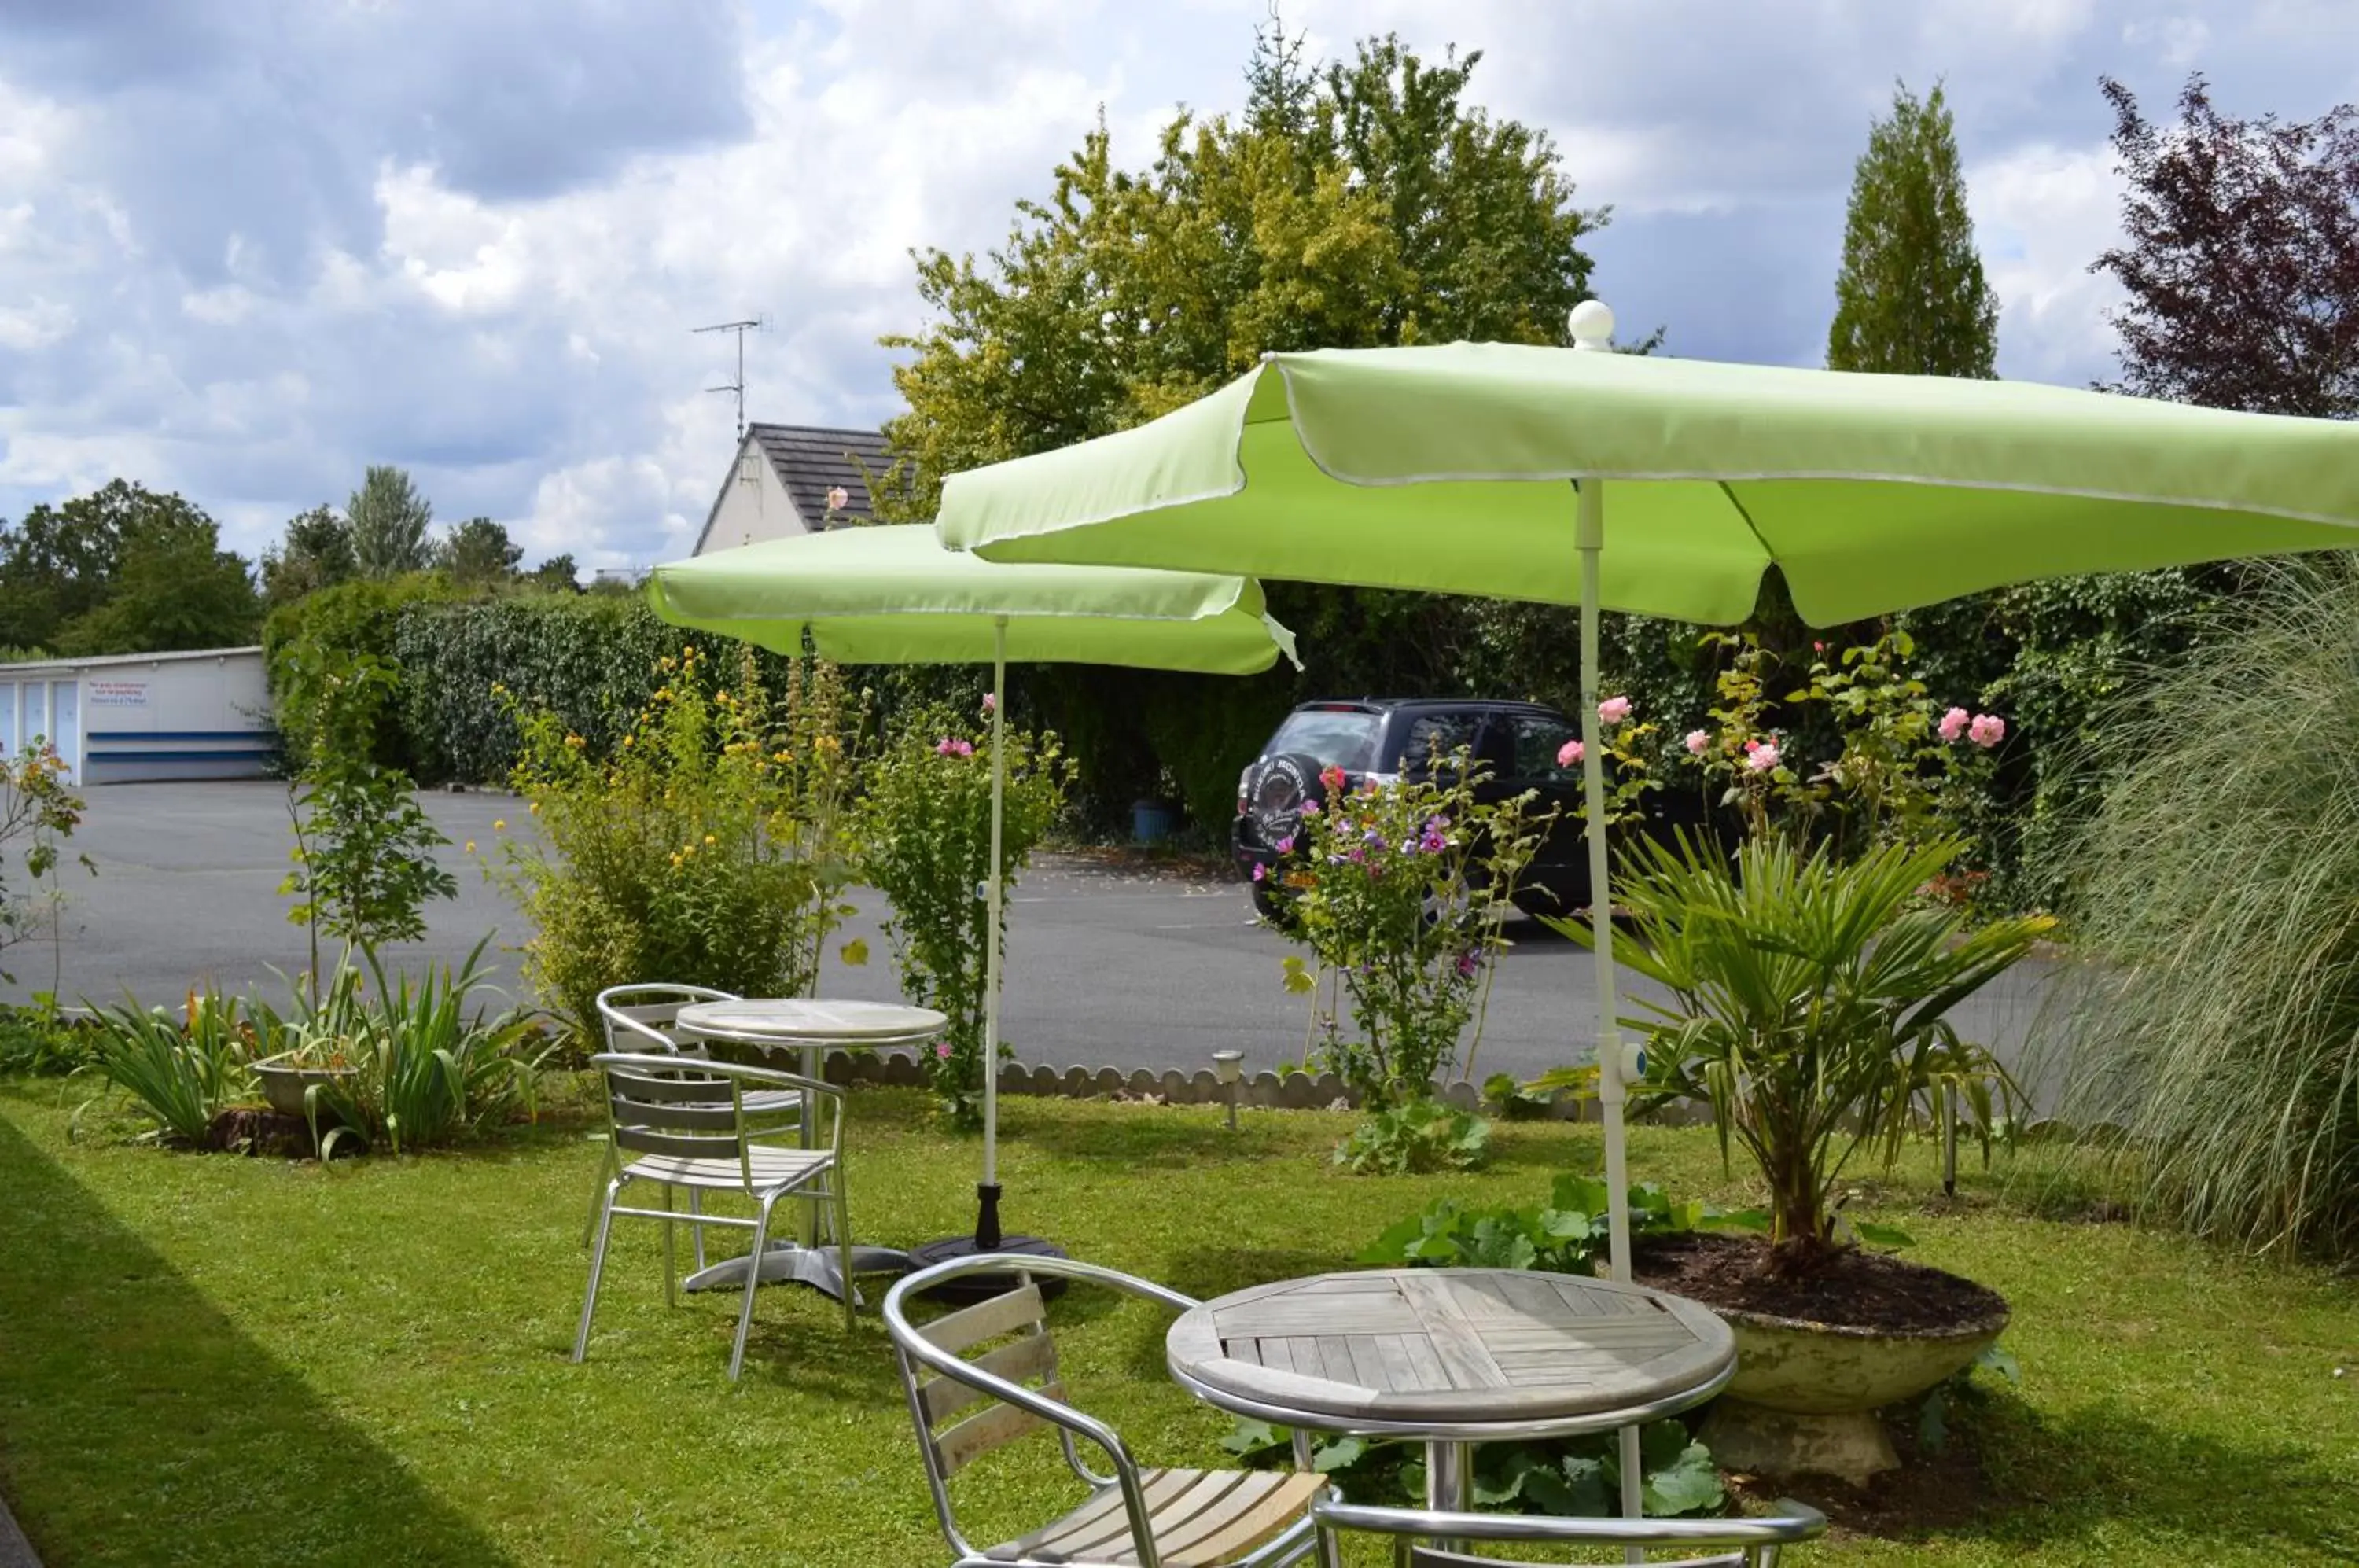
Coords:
pixel 2212 1007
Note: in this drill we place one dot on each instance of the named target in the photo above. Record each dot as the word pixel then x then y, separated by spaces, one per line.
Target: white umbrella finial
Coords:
pixel 1592 324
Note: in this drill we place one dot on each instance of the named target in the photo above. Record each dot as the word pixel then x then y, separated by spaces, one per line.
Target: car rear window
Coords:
pixel 1338 739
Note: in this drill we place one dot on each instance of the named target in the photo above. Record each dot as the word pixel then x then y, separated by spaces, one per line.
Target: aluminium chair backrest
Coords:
pixel 951 1431
pixel 647 1017
pixel 677 1108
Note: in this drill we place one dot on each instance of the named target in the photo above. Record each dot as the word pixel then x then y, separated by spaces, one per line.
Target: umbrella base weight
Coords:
pixel 982 1287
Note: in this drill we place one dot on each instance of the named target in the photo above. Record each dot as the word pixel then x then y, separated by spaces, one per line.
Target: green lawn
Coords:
pixel 219 1360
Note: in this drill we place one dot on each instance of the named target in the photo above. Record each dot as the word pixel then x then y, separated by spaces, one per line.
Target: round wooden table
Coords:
pixel 808 1027
pixel 1452 1357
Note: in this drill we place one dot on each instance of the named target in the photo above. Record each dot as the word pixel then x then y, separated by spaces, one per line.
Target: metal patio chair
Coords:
pixel 1133 1517
pixel 1729 1542
pixel 683 1123
pixel 645 1017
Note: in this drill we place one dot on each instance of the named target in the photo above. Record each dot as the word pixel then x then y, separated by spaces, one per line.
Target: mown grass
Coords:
pixel 218 1360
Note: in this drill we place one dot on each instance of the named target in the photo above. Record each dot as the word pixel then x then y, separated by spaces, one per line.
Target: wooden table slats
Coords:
pixel 1471 1345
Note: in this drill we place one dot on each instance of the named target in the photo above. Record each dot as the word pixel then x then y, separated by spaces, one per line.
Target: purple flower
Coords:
pixel 1286 844
pixel 1260 873
pixel 1467 964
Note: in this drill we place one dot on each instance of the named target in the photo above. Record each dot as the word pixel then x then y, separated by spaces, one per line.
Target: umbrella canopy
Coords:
pixel 894 595
pixel 1449 468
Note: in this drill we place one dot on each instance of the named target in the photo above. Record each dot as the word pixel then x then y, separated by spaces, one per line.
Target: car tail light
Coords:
pixel 1244 790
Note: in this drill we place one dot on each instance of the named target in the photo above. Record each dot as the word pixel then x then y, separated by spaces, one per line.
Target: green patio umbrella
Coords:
pixel 1485 468
pixel 894 595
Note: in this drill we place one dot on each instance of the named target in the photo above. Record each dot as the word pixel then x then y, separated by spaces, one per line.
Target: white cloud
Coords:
pixel 2041 215
pixel 248 284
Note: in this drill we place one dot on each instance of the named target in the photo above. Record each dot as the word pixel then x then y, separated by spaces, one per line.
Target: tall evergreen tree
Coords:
pixel 389 519
pixel 1911 298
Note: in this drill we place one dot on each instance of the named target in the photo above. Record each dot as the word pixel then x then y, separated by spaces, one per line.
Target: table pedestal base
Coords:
pixel 790 1262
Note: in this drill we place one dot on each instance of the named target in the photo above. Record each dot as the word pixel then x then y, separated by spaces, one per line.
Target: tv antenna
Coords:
pixel 737 386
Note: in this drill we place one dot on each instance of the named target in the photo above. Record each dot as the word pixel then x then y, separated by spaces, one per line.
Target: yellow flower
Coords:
pixel 710 839
pixel 627 739
pixel 534 808
pixel 574 741
pixel 499 824
pixel 471 846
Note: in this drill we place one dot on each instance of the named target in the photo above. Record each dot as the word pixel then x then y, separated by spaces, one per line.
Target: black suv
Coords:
pixel 1381 737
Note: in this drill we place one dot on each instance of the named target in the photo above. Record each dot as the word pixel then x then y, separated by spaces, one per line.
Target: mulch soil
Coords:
pixel 1853 1289
pixel 257 1129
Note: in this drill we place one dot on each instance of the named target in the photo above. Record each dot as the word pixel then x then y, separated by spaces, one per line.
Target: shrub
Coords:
pixel 708 849
pixel 2213 1008
pixel 1566 1234
pixel 363 847
pixel 37 814
pixel 327 631
pixel 178 1072
pixel 426 1068
pixel 924 831
pixel 1398 891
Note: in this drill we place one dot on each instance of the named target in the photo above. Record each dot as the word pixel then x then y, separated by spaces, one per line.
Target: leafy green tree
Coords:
pixel 1357 205
pixel 479 552
pixel 389 519
pixel 316 553
pixel 176 588
pixel 558 574
pixel 1911 298
pixel 62 563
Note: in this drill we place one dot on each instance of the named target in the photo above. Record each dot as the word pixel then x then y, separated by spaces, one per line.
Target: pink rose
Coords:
pixel 838 499
pixel 954 748
pixel 1614 709
pixel 1569 753
pixel 943 1049
pixel 1988 730
pixel 990 701
pixel 1953 723
pixel 1698 741
pixel 1761 757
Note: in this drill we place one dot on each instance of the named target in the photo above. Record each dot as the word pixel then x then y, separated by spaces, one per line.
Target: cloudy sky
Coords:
pixel 249 246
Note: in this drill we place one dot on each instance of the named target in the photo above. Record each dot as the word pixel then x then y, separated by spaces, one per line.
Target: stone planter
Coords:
pixel 284 1086
pixel 1806 1394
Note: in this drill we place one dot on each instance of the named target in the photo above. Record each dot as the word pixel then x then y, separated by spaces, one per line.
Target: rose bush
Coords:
pixel 1399 891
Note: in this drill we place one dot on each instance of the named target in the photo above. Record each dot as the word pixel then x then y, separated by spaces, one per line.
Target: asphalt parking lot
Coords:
pixel 1104 967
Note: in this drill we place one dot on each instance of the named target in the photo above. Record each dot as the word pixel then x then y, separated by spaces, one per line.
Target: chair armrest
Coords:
pixel 1794 1522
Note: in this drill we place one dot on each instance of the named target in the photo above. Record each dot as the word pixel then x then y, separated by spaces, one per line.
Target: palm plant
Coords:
pixel 1809 1008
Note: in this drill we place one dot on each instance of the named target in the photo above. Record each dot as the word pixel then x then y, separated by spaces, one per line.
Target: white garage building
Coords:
pixel 140 717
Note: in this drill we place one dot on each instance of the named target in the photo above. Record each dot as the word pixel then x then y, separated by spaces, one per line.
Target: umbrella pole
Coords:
pixel 987 1224
pixel 1589 537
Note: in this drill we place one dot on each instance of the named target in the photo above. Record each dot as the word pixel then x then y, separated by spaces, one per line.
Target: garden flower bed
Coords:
pixel 225 1361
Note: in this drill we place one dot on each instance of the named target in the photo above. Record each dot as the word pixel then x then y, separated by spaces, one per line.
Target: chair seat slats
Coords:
pixel 1201 1519
pixel 1019 1361
pixel 771 1167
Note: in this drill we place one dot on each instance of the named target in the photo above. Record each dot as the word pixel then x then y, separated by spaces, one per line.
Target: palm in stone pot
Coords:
pixel 1808 1007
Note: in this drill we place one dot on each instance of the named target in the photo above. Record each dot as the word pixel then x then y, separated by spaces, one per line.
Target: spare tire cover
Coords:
pixel 1282 787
